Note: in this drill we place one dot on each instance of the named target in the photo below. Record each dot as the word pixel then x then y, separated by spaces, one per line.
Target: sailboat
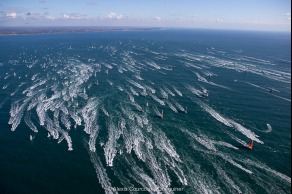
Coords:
pixel 31 137
pixel 157 112
pixel 205 93
pixel 250 145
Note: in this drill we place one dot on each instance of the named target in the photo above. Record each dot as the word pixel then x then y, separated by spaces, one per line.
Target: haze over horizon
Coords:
pixel 268 15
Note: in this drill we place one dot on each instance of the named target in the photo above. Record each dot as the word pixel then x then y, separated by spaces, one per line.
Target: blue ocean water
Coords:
pixel 150 110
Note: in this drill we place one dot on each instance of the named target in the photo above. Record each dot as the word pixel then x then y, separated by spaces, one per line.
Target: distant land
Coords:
pixel 6 31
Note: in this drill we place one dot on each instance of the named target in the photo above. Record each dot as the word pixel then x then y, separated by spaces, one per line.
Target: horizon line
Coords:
pixel 141 27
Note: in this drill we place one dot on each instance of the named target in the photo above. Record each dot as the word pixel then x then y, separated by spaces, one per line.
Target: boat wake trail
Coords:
pixel 230 123
pixel 141 125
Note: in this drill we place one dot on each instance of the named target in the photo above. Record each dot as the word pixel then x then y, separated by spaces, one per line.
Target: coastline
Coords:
pixel 15 31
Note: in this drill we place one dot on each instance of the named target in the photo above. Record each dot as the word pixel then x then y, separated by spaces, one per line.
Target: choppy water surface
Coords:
pixel 151 109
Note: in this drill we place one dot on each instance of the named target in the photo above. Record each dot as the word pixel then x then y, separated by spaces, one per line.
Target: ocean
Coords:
pixel 153 111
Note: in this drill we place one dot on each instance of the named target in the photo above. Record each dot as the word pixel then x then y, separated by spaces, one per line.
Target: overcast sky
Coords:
pixel 274 15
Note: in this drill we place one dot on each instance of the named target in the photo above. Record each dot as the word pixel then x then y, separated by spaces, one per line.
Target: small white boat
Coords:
pixel 31 137
pixel 205 93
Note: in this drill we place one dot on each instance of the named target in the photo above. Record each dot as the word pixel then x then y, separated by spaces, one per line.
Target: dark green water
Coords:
pixel 94 88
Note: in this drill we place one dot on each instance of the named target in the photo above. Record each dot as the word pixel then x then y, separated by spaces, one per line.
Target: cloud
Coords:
pixel 50 17
pixel 66 16
pixel 219 20
pixel 158 18
pixel 11 15
pixel 73 16
pixel 114 16
pixel 288 16
pixel 189 19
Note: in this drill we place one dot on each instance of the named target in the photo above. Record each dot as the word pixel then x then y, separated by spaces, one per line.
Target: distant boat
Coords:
pixel 271 90
pixel 205 93
pixel 250 145
pixel 31 137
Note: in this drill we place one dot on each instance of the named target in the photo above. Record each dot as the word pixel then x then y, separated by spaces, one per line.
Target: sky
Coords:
pixel 266 15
